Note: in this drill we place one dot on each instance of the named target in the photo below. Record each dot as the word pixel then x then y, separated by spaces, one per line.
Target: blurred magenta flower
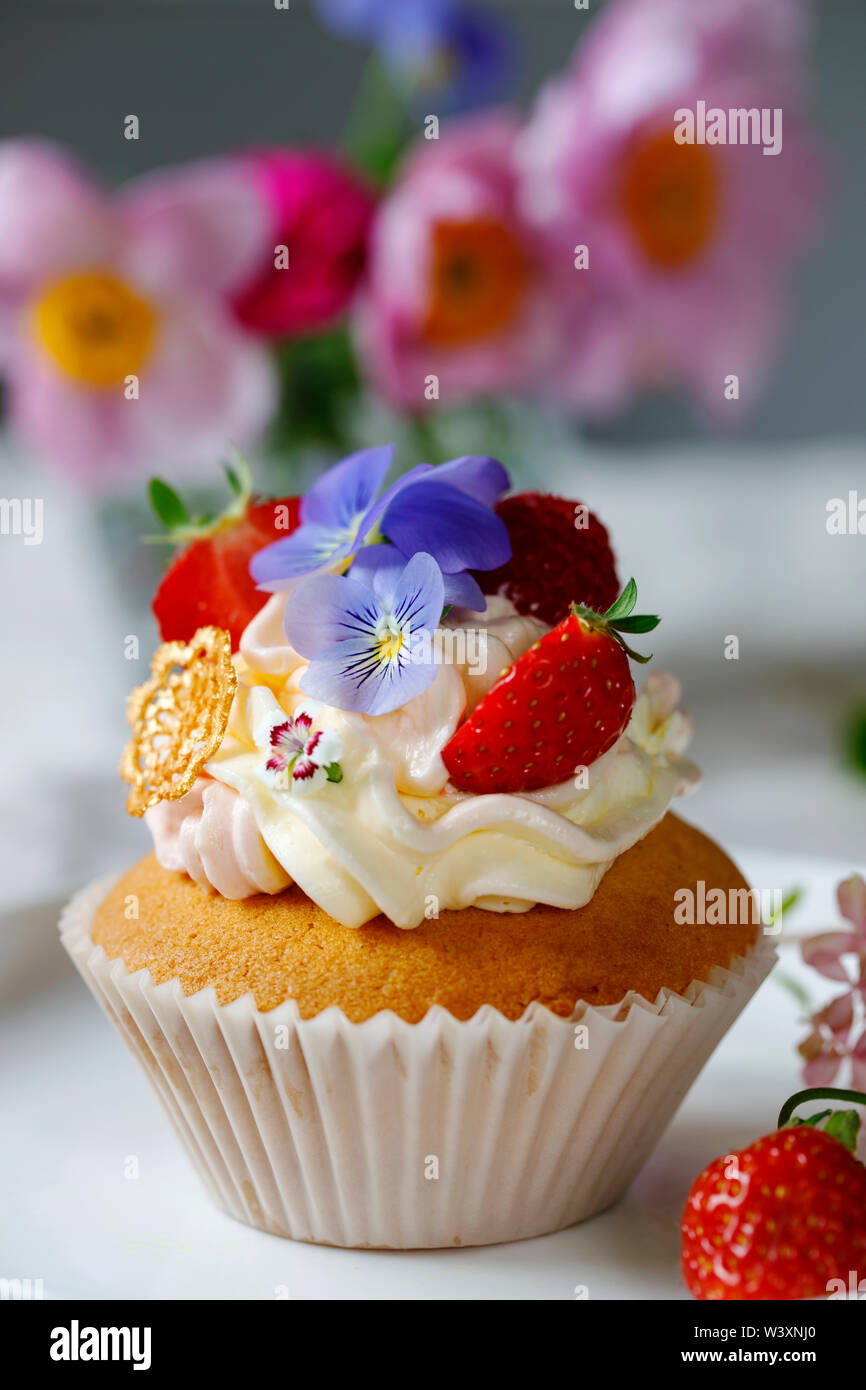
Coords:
pixel 688 243
pixel 460 55
pixel 453 301
pixel 839 1029
pixel 116 339
pixel 320 212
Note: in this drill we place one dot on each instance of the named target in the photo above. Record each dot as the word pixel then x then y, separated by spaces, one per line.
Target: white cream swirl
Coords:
pixel 393 836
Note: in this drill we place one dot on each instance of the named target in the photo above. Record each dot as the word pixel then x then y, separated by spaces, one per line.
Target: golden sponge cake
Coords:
pixel 285 947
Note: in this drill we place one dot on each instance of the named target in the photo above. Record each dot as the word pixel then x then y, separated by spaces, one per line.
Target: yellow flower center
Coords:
pixel 478 277
pixel 389 643
pixel 669 195
pixel 95 327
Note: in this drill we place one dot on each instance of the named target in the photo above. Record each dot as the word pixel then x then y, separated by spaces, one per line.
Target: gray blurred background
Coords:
pixel 203 75
pixel 726 536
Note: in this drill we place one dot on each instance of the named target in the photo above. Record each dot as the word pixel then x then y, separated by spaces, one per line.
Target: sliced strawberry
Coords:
pixel 561 705
pixel 560 554
pixel 209 582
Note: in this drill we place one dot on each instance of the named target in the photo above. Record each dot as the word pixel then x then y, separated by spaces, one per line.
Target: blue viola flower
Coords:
pixel 368 644
pixel 461 590
pixel 462 53
pixel 445 511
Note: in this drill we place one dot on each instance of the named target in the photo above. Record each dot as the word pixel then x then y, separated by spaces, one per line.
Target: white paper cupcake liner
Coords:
pixel 400 1135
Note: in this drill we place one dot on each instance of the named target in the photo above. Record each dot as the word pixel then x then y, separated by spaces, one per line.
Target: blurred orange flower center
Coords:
pixel 478 277
pixel 669 195
pixel 95 327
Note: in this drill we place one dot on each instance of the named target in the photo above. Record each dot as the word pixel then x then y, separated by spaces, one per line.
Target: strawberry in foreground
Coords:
pixel 208 583
pixel 560 554
pixel 561 705
pixel 784 1217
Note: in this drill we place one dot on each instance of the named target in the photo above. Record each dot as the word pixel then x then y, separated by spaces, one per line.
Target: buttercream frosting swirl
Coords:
pixel 394 836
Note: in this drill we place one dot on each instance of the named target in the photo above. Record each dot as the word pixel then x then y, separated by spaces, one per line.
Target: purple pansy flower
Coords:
pixel 363 639
pixel 445 511
pixel 300 759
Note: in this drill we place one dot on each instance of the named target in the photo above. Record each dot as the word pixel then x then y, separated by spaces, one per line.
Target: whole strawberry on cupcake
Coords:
pixel 414 873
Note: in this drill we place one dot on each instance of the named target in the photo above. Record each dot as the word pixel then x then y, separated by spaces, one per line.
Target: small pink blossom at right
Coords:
pixel 839 1029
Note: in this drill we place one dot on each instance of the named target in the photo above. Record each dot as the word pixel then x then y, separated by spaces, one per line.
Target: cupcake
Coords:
pixel 408 965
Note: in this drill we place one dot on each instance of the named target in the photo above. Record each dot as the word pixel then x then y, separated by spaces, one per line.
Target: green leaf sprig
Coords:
pixel 620 618
pixel 172 511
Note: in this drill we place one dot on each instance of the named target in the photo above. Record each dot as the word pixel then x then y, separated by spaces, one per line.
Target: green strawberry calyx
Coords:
pixel 172 511
pixel 619 618
pixel 843 1125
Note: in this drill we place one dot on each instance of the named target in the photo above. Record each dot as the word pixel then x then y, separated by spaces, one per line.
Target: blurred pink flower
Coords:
pixel 320 212
pixel 453 289
pixel 839 1029
pixel 688 243
pixel 103 296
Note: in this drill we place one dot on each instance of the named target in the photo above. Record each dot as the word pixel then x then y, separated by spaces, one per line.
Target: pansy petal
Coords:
pixel 419 594
pixel 379 567
pixel 459 532
pixel 406 480
pixel 477 475
pixel 306 550
pixel 462 591
pixel 328 610
pixel 346 492
pixel 350 677
pixel 357 19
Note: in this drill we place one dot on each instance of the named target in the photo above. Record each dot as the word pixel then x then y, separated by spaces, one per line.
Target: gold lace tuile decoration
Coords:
pixel 178 717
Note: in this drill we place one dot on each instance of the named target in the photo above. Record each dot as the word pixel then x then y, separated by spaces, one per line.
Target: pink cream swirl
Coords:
pixel 211 834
